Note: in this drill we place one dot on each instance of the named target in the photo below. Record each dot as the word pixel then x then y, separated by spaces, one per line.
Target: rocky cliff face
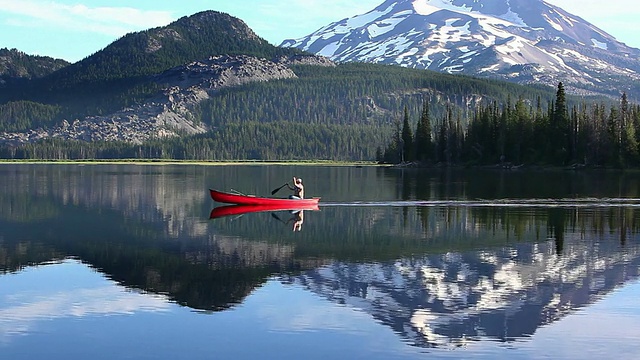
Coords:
pixel 170 112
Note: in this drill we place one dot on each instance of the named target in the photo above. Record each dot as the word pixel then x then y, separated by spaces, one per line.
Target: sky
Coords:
pixel 74 29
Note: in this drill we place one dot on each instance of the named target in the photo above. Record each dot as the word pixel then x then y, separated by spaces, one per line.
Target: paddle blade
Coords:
pixel 278 189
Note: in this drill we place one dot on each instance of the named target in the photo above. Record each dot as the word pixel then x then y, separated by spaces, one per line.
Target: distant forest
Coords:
pixel 364 112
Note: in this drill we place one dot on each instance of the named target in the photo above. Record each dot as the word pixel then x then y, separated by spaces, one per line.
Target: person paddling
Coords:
pixel 298 189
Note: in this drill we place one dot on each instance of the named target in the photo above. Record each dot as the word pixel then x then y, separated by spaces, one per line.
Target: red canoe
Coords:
pixel 238 199
pixel 229 210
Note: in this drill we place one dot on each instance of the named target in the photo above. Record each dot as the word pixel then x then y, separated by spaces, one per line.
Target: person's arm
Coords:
pixel 295 184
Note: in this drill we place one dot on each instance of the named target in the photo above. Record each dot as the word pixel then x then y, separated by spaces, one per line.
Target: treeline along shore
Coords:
pixel 517 134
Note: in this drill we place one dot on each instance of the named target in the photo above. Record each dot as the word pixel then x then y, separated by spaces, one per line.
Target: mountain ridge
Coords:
pixel 16 65
pixel 170 112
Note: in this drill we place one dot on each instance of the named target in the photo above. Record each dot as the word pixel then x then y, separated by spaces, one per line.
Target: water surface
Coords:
pixel 123 261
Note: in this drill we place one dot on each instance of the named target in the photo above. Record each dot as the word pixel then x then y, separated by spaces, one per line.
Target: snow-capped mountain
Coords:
pixel 527 41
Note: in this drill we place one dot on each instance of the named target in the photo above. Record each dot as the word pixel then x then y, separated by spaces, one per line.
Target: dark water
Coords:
pixel 123 262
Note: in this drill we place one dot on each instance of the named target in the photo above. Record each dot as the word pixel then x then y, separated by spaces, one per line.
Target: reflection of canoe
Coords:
pixel 228 210
pixel 238 199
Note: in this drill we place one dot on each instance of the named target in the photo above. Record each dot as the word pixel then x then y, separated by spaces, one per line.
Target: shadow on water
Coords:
pixel 440 259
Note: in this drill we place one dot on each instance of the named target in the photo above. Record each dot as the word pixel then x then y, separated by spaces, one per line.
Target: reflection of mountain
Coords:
pixel 148 228
pixel 505 294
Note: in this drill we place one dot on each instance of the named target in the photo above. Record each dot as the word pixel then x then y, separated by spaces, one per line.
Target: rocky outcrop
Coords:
pixel 305 59
pixel 170 112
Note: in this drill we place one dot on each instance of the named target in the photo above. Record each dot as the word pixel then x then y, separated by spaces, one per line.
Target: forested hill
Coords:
pixel 149 52
pixel 127 62
pixel 15 66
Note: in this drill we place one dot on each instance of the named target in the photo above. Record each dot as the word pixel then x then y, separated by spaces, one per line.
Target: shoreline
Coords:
pixel 189 162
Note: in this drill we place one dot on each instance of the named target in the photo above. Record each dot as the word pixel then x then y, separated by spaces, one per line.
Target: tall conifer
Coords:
pixel 423 135
pixel 407 138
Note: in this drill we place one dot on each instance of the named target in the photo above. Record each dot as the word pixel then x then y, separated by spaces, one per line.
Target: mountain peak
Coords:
pixel 226 24
pixel 489 38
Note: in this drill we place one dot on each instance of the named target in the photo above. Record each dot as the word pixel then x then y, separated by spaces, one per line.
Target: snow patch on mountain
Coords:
pixel 554 24
pixel 428 7
pixel 599 44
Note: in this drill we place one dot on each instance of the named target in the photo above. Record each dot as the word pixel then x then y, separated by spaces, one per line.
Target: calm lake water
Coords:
pixel 124 262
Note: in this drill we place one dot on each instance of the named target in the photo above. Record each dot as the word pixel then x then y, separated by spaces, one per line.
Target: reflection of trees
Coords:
pixel 208 274
pixel 552 222
pixel 495 184
pixel 460 185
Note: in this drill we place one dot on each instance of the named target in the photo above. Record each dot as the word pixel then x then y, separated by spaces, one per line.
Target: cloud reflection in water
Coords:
pixel 69 289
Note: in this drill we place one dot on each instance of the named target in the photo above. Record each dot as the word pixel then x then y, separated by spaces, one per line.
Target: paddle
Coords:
pixel 277 218
pixel 278 189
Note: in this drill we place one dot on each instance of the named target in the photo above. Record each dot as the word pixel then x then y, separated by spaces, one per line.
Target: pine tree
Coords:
pixel 560 127
pixel 628 142
pixel 407 138
pixel 392 155
pixel 423 135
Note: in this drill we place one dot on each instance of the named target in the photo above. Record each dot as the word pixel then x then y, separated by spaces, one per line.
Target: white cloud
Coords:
pixel 112 21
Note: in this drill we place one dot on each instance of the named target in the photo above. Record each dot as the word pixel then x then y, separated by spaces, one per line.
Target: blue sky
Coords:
pixel 74 29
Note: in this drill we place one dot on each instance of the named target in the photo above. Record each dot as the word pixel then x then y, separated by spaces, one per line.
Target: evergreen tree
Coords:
pixel 393 153
pixel 379 155
pixel 612 139
pixel 521 133
pixel 560 127
pixel 423 135
pixel 407 138
pixel 628 142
